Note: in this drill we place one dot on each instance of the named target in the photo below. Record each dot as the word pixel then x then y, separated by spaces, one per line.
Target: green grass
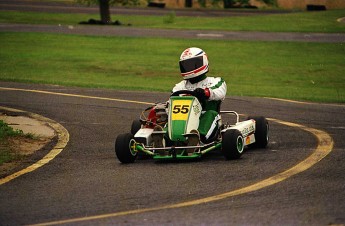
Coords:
pixel 292 70
pixel 6 131
pixel 290 22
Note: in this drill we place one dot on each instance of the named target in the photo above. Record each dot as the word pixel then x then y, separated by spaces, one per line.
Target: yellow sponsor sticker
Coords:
pixel 180 109
pixel 247 140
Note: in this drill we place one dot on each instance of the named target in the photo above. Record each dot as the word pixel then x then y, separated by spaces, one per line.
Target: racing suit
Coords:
pixel 210 115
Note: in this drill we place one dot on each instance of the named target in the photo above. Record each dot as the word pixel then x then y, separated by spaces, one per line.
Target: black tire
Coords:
pixel 232 144
pixel 261 133
pixel 122 148
pixel 136 126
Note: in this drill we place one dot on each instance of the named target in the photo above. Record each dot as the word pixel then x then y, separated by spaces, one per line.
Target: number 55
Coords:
pixel 181 109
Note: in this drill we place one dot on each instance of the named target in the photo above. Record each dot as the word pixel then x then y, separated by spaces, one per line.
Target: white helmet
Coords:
pixel 193 62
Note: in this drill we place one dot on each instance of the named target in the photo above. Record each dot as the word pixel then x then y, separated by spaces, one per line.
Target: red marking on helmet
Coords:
pixel 186 53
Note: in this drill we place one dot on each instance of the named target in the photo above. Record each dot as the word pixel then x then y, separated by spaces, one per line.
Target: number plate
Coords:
pixel 180 109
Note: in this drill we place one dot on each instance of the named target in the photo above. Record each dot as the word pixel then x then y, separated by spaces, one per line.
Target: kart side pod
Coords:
pixel 246 128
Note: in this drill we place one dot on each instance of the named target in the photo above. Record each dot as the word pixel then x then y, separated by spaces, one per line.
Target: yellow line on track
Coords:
pixel 305 103
pixel 62 136
pixel 74 95
pixel 324 147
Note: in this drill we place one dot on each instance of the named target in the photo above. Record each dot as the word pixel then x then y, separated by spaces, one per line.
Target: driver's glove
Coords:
pixel 202 94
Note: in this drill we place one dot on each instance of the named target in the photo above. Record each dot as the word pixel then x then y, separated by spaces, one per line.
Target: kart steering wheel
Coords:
pixel 188 92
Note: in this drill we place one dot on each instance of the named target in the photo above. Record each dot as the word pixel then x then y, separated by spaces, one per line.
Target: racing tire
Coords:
pixel 123 150
pixel 136 126
pixel 261 132
pixel 232 144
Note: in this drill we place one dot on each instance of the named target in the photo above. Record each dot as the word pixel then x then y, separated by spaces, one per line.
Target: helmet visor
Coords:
pixel 191 64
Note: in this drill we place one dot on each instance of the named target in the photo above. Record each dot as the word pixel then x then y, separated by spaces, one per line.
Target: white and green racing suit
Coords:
pixel 210 115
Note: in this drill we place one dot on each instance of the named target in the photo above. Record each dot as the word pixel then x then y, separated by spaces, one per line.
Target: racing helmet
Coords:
pixel 193 63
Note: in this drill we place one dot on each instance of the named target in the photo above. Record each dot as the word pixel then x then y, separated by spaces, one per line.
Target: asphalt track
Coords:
pixel 297 180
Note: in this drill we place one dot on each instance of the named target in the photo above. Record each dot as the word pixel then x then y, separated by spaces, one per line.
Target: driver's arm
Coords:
pixel 218 89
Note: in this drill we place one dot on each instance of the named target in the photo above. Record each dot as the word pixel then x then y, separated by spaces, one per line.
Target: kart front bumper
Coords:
pixel 180 152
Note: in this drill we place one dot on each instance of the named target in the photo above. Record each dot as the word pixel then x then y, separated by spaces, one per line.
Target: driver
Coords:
pixel 210 90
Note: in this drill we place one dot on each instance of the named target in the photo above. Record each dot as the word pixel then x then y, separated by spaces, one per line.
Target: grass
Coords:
pixel 300 71
pixel 6 131
pixel 325 21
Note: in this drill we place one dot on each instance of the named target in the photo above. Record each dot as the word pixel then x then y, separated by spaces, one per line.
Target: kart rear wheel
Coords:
pixel 136 126
pixel 261 132
pixel 123 149
pixel 232 144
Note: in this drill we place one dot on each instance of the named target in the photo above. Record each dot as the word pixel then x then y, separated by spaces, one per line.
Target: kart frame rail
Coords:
pixel 149 150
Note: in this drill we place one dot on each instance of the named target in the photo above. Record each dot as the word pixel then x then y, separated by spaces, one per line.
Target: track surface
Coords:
pixel 86 179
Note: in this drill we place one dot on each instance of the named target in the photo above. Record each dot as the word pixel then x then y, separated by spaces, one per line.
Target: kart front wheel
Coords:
pixel 124 152
pixel 232 144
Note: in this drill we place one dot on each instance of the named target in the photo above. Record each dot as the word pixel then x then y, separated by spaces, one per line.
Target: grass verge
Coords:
pixel 325 21
pixel 299 71
pixel 6 132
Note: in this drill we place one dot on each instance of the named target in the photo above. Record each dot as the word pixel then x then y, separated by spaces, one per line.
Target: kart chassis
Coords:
pixel 172 152
pixel 181 115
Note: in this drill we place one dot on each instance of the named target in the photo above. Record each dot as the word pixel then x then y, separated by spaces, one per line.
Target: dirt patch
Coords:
pixel 26 146
pixel 21 148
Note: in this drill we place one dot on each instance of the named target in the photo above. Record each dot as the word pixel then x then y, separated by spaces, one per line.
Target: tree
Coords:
pixel 228 4
pixel 104 7
pixel 188 3
pixel 104 10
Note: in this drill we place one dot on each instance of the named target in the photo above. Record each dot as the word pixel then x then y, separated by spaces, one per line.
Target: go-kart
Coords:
pixel 165 131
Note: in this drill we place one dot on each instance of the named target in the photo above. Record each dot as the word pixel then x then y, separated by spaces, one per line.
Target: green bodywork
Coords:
pixel 180 113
